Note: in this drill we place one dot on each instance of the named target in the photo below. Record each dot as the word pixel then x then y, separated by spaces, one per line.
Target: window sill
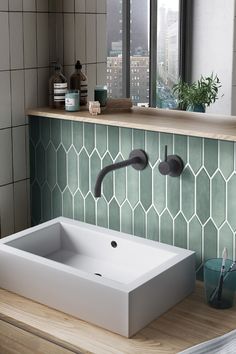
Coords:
pixel 166 121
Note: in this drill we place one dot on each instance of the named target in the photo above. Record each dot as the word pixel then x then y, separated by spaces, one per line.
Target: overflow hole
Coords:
pixel 98 274
pixel 113 244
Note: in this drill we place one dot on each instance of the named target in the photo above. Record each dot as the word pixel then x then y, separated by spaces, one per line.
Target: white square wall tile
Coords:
pixel 69 39
pixel 3 5
pixel 101 38
pixel 68 71
pixel 42 39
pixel 43 78
pixel 91 6
pixel 16 40
pixel 29 5
pixel 55 5
pixel 42 5
pixel 91 38
pixel 29 39
pixel 5 100
pixel 31 89
pixel 21 205
pixel 27 151
pixel 19 153
pixel 91 74
pixel 15 5
pixel 79 5
pixel 4 41
pixel 102 74
pixel 68 5
pixel 80 45
pixel 5 156
pixel 17 97
pixel 6 210
pixel 101 6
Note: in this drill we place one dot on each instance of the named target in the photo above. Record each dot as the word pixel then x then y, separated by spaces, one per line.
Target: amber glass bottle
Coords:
pixel 57 88
pixel 78 81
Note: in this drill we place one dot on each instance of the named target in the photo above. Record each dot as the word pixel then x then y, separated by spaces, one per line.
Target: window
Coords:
pixel 145 46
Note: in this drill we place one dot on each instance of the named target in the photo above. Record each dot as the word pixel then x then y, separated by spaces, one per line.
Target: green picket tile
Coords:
pixel 166 228
pixel 89 137
pixel 90 209
pixel 231 201
pixel 146 187
pixel 45 131
pixel 173 195
pixel 78 206
pixel 159 190
pixel 114 215
pixel 153 225
pixel 132 186
pixel 138 139
pixel 51 166
pixel 83 172
pixel 139 221
pixel 126 218
pixel 72 172
pixel 218 195
pixel 180 233
pixel 226 237
pixel 181 147
pixel 210 241
pixel 195 153
pixel 120 182
pixel 102 213
pixel 32 162
pixel 113 141
pixel 40 164
pixel 36 203
pixel 195 239
pixel 56 202
pixel 56 132
pixel 211 155
pixel 46 203
pixel 188 193
pixel 226 158
pixel 152 144
pixel 101 139
pixel 203 196
pixel 61 168
pixel 125 142
pixel 66 134
pixel 67 204
pixel 107 184
pixel 34 129
pixel 166 139
pixel 77 132
pixel 95 168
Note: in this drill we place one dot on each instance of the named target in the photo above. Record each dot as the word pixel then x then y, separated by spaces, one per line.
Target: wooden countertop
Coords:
pixel 188 323
pixel 167 121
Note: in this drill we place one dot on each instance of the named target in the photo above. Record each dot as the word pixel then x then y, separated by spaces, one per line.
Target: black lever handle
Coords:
pixel 172 165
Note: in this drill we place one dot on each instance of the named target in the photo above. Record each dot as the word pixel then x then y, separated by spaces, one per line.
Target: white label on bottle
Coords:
pixel 59 98
pixel 60 85
pixel 60 91
pixel 70 102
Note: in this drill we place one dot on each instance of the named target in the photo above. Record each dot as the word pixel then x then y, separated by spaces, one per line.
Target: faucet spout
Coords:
pixel 137 158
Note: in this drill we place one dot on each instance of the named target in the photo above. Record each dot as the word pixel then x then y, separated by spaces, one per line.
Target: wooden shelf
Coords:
pixel 188 323
pixel 167 121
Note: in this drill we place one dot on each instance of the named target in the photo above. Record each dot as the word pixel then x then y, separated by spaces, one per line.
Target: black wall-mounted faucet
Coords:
pixel 137 158
pixel 172 165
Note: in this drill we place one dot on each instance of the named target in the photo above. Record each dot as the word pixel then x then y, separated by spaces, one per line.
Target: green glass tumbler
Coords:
pixel 221 297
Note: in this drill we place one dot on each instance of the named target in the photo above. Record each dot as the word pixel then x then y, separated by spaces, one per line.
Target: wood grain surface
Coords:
pixel 154 119
pixel 188 323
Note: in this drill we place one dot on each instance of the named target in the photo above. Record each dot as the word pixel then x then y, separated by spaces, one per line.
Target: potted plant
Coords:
pixel 196 96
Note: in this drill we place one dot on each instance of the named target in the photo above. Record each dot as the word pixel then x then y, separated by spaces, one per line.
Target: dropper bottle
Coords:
pixel 78 81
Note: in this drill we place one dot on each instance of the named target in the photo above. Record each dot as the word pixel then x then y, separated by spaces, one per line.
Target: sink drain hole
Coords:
pixel 98 274
pixel 113 244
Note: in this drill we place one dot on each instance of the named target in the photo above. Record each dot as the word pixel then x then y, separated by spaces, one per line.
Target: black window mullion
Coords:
pixel 153 54
pixel 126 48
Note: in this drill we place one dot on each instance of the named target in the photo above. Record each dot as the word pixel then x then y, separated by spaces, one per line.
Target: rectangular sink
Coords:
pixel 114 280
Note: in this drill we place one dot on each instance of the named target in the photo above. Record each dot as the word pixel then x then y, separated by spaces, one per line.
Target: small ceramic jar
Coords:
pixel 100 95
pixel 72 101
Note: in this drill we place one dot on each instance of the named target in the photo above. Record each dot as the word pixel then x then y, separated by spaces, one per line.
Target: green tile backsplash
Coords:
pixel 196 211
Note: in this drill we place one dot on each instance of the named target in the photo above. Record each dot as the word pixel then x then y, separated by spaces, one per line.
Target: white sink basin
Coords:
pixel 116 281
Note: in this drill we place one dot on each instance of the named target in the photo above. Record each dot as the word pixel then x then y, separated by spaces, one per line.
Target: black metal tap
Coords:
pixel 172 165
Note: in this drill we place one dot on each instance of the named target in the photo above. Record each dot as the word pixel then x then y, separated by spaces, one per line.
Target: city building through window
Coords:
pixel 167 50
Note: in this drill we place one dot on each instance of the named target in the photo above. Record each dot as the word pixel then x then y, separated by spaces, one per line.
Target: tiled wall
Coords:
pixel 24 62
pixel 78 32
pixel 195 211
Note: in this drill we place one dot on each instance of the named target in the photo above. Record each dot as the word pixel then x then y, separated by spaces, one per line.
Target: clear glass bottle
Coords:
pixel 57 88
pixel 78 81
